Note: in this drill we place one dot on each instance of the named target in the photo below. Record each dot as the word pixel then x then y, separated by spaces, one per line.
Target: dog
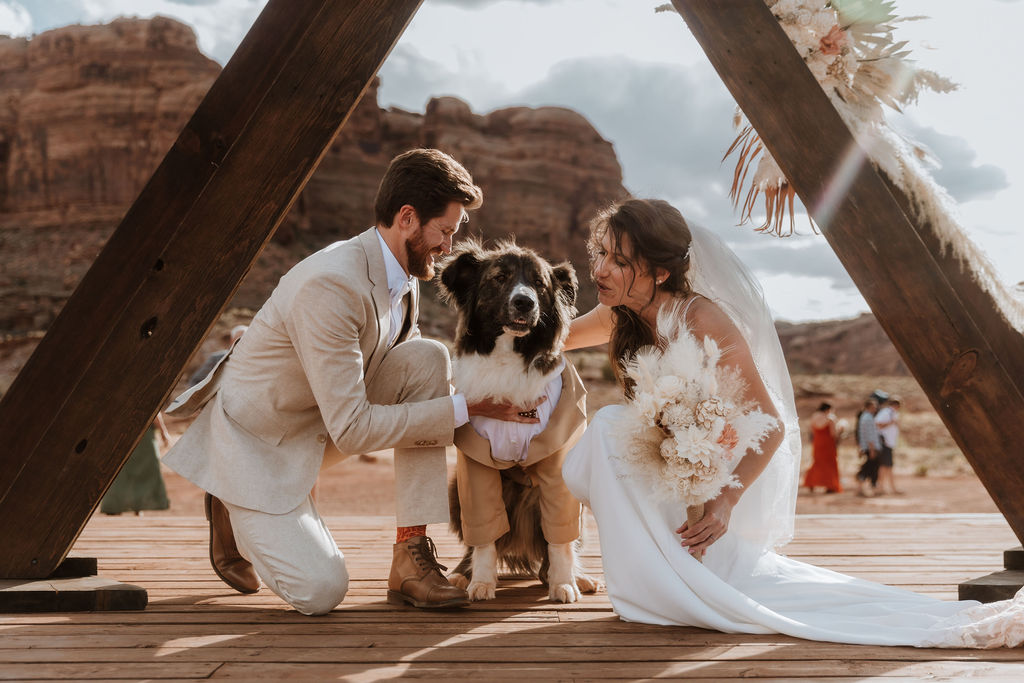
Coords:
pixel 514 308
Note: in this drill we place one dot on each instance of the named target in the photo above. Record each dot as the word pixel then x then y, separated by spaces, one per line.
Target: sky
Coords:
pixel 645 84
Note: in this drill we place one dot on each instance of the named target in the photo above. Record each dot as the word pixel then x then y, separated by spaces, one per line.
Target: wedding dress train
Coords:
pixel 743 588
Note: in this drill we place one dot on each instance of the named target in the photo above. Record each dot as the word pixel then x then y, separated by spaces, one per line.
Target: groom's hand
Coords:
pixel 506 411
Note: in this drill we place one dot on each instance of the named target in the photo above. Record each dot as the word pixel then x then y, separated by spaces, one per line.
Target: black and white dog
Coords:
pixel 514 310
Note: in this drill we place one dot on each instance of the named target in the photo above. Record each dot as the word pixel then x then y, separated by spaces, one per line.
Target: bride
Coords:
pixel 721 572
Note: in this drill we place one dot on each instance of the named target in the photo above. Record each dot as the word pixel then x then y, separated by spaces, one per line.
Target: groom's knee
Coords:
pixel 426 368
pixel 318 592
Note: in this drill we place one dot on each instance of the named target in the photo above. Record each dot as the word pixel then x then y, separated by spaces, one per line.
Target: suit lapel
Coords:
pixel 377 276
pixel 568 418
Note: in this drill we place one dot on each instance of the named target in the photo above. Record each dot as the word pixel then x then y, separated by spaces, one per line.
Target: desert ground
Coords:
pixel 929 468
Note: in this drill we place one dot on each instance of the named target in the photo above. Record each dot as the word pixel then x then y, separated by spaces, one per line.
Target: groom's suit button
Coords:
pixel 321 438
pixel 426 443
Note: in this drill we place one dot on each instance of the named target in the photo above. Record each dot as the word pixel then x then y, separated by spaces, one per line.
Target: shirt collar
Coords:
pixel 398 282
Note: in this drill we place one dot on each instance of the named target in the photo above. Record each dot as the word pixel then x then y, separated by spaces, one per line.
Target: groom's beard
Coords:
pixel 421 265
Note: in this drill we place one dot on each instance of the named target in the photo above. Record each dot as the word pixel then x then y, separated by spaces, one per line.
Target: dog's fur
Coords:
pixel 514 310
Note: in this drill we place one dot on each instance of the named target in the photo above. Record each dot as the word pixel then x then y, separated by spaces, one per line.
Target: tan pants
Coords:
pixel 294 553
pixel 415 370
pixel 484 519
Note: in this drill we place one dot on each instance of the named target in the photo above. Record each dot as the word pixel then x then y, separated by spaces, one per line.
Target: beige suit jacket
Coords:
pixel 297 379
pixel 563 430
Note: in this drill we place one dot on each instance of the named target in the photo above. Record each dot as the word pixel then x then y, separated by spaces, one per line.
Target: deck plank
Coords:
pixel 195 628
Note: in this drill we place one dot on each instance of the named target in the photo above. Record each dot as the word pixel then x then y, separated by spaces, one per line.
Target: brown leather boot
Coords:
pixel 228 563
pixel 416 577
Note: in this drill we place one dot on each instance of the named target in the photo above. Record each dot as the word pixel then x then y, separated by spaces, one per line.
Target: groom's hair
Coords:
pixel 428 180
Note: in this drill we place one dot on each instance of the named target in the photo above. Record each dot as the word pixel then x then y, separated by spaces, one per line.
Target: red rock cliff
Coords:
pixel 87 113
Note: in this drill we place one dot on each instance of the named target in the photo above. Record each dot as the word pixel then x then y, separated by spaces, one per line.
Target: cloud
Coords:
pixel 807 257
pixel 670 124
pixel 409 80
pixel 219 24
pixel 480 4
pixel 957 169
pixel 799 298
pixel 15 20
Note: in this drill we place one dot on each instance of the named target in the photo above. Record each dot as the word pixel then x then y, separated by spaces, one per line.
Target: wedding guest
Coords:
pixel 824 470
pixel 870 446
pixel 140 484
pixel 887 421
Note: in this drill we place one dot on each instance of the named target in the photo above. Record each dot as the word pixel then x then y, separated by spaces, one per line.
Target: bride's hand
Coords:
pixel 711 526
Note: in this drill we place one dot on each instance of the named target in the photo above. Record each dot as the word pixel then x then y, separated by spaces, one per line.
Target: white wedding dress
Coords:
pixel 743 586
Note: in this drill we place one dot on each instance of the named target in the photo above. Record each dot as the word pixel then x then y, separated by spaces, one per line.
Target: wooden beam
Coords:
pixel 968 359
pixel 106 366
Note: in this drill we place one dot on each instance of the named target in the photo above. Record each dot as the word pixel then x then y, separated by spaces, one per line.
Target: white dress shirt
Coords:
pixel 890 432
pixel 399 284
pixel 510 441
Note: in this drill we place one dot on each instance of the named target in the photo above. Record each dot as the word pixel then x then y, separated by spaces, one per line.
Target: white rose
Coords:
pixel 823 21
pixel 819 68
pixel 647 406
pixel 787 6
pixel 669 386
pixel 676 416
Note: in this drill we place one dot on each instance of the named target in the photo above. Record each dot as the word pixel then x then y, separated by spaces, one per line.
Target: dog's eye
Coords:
pixel 500 277
pixel 538 282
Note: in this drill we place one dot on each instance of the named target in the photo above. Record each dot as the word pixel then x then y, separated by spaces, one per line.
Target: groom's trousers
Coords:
pixel 294 553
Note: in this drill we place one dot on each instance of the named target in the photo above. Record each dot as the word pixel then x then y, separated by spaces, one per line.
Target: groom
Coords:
pixel 333 365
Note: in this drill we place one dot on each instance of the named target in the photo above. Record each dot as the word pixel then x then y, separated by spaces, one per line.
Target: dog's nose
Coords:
pixel 522 303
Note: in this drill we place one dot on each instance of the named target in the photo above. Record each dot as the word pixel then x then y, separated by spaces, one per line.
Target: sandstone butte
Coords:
pixel 87 113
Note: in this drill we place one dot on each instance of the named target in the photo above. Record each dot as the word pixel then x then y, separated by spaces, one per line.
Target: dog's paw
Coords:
pixel 458 580
pixel 588 584
pixel 564 592
pixel 480 590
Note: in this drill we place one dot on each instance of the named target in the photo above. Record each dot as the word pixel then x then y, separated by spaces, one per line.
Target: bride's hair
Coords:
pixel 660 238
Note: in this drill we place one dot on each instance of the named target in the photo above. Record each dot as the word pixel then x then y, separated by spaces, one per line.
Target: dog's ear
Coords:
pixel 564 275
pixel 459 273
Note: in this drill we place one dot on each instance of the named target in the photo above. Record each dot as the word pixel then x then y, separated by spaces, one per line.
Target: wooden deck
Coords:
pixel 196 628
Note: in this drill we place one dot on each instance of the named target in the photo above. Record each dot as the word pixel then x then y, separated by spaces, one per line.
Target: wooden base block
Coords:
pixel 74 567
pixel 83 594
pixel 996 586
pixel 73 587
pixel 1013 558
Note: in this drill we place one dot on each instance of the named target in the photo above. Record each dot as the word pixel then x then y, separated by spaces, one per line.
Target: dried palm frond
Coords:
pixel 768 180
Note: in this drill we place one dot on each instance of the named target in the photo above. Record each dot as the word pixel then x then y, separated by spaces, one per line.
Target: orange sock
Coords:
pixel 407 532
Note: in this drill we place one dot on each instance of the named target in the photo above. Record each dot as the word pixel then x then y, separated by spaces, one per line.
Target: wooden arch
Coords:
pixel 109 361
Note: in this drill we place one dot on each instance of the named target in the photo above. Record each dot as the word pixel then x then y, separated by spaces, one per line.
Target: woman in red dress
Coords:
pixel 826 433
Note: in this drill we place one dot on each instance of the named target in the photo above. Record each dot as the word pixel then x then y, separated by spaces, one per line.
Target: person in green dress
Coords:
pixel 140 485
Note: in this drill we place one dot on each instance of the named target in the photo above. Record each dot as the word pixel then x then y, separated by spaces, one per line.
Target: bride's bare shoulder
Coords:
pixel 705 318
